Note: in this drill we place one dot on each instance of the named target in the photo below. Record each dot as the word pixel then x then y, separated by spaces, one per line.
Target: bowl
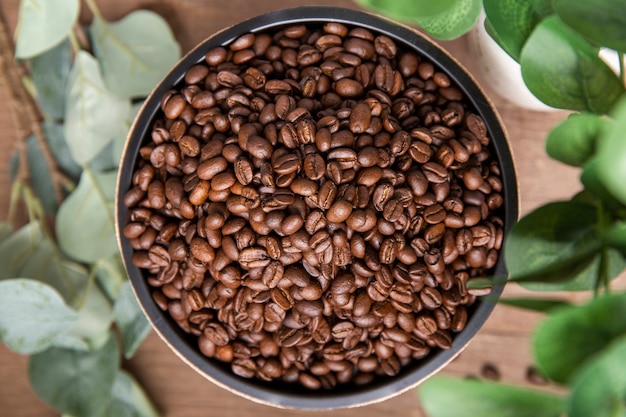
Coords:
pixel 288 395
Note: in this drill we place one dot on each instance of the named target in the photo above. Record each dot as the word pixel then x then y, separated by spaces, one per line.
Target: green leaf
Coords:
pixel 50 72
pixel 512 21
pixel 451 397
pixel 573 141
pixel 76 382
pixel 593 180
pixel 561 233
pixel 452 23
pixel 135 52
pixel 94 321
pixel 407 10
pixel 598 388
pixel 85 221
pixel 129 399
pixel 92 114
pixel 55 134
pixel 570 336
pixel 29 253
pixel 110 275
pixel 42 24
pixel 39 175
pixel 602 21
pixel 5 231
pixel 130 319
pixel 119 143
pixel 612 154
pixel 615 237
pixel 535 304
pixel 32 315
pixel 563 70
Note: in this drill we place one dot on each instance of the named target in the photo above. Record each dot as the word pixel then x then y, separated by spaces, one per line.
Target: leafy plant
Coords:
pixel 573 245
pixel 64 297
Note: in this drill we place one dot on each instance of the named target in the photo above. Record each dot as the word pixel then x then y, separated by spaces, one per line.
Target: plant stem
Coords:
pixel 26 115
pixel 620 57
pixel 93 7
pixel 603 279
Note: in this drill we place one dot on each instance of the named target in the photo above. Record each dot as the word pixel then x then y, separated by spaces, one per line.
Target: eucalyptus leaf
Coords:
pixel 134 52
pixel 612 154
pixel 451 397
pixel 76 382
pixel 92 114
pixel 110 275
pixel 43 24
pixel 407 10
pixel 570 336
pixel 602 21
pixel 454 22
pixel 512 21
pixel 119 142
pixel 129 399
pixel 573 141
pixel 32 315
pixel 615 237
pixel 94 321
pixel 563 232
pixel 563 70
pixel 50 72
pixel 130 319
pixel 5 231
pixel 39 175
pixel 104 160
pixel 55 135
pixel 535 304
pixel 85 221
pixel 598 388
pixel 29 253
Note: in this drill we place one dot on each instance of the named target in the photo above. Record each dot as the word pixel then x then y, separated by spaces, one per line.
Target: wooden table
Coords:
pixel 175 388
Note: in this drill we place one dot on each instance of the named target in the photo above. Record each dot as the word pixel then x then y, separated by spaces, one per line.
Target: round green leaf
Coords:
pixel 29 253
pixel 129 399
pixel 593 180
pixel 135 52
pixel 454 22
pixel 94 320
pixel 513 21
pixel 50 72
pixel 407 10
pixel 85 221
pixel 40 177
pixel 612 154
pixel 93 115
pixel 602 21
pixel 450 397
pixel 76 382
pixel 130 319
pixel 598 388
pixel 535 304
pixel 110 275
pixel 559 233
pixel 570 336
pixel 42 24
pixel 563 70
pixel 32 315
pixel 573 141
pixel 55 134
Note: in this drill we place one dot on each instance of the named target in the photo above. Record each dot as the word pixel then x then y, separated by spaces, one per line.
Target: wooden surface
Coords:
pixel 175 388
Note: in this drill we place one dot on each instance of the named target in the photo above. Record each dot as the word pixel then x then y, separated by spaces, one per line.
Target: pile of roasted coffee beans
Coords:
pixel 311 203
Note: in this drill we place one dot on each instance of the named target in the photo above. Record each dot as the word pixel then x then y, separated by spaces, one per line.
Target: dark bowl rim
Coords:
pixel 304 399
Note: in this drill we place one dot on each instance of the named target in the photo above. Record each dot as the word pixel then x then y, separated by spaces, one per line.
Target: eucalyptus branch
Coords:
pixel 620 57
pixel 26 114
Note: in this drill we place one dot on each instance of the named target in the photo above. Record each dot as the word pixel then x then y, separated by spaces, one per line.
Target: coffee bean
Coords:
pixel 311 177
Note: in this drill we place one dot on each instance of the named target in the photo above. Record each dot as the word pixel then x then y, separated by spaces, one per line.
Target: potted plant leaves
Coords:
pixel 573 245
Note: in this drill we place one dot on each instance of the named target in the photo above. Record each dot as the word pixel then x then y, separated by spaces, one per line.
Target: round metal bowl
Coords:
pixel 293 395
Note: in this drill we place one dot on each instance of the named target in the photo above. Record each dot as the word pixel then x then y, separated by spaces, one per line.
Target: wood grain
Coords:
pixel 176 389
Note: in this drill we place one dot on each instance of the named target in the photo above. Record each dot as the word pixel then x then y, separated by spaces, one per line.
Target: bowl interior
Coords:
pixel 293 395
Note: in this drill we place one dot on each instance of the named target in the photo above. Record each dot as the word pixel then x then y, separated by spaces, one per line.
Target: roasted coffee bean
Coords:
pixel 311 202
